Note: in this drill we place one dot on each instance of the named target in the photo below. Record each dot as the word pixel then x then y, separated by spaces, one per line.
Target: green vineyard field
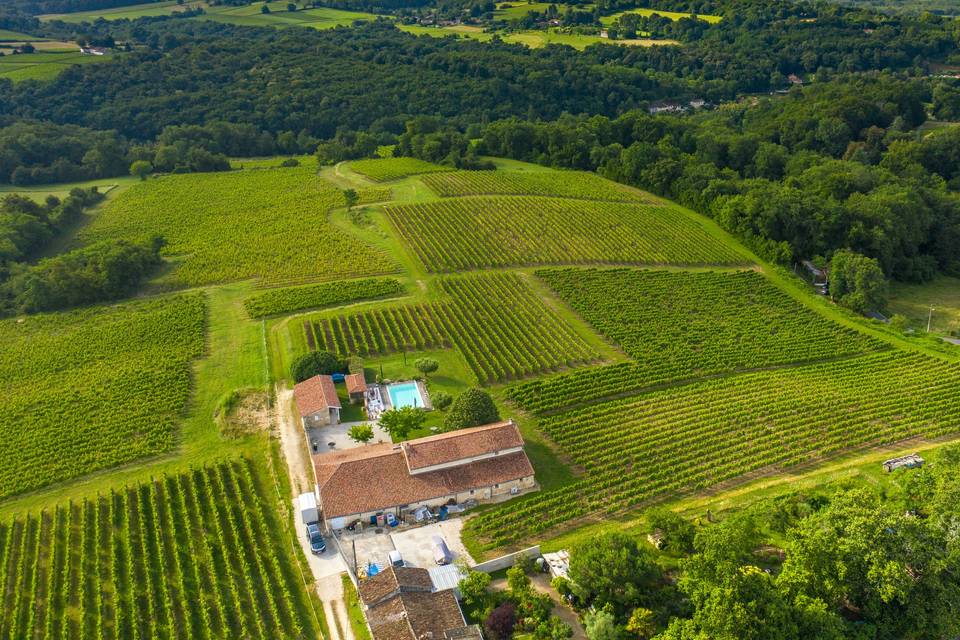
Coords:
pixel 557 184
pixel 268 224
pixel 695 436
pixel 387 169
pixel 504 331
pixel 681 325
pixel 90 389
pixel 324 294
pixel 197 555
pixel 470 233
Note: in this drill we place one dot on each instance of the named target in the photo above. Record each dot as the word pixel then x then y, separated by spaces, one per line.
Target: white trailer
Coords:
pixel 308 508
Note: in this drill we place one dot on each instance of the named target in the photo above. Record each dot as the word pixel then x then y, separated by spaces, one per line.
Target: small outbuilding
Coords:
pixel 317 401
pixel 912 461
pixel 356 387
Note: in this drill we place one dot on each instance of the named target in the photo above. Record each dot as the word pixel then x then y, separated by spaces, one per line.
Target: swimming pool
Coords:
pixel 405 394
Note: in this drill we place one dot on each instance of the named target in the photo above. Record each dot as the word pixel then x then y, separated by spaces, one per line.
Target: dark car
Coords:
pixel 317 544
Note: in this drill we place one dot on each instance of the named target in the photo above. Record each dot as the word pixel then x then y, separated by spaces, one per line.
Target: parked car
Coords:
pixel 317 544
pixel 441 552
pixel 395 558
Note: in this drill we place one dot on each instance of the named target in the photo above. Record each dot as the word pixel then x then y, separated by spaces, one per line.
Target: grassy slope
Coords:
pixel 914 302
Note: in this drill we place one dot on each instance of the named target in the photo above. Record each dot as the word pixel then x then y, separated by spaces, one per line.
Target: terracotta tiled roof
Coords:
pixel 355 383
pixel 376 477
pixel 316 394
pixel 457 445
pixel 394 580
pixel 413 615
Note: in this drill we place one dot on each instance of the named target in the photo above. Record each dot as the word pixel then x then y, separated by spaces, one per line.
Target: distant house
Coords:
pixel 356 387
pixel 317 401
pixel 666 107
pixel 93 51
pixel 479 464
pixel 911 461
pixel 794 79
pixel 400 604
pixel 698 103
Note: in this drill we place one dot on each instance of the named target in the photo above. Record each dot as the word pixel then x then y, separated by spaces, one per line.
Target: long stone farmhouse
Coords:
pixel 481 463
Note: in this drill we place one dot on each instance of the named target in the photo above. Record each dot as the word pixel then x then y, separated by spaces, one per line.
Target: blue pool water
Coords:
pixel 406 394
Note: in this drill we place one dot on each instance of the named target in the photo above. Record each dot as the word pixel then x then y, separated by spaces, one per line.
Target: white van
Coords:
pixel 395 559
pixel 441 552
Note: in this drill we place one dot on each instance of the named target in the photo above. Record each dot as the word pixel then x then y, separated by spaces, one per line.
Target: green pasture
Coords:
pixel 249 15
pixel 672 15
pixel 44 65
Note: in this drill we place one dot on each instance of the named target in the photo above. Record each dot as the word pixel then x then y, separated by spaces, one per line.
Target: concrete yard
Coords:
pixel 337 434
pixel 415 544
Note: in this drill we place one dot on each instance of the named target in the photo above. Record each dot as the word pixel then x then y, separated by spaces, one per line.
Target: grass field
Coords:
pixel 15 36
pixel 39 192
pixel 267 224
pixel 43 65
pixel 249 15
pixel 672 15
pixel 915 300
pixel 470 233
pixel 198 555
pixel 534 39
pixel 95 388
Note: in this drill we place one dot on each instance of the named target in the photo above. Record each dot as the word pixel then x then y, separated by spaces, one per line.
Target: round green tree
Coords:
pixel 472 408
pixel 315 363
pixel 141 169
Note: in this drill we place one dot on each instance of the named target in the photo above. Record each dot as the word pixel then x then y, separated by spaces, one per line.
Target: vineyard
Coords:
pixel 268 224
pixel 326 294
pixel 504 331
pixel 198 555
pixel 696 436
pixel 387 169
pixel 680 325
pixel 470 233
pixel 90 389
pixel 558 184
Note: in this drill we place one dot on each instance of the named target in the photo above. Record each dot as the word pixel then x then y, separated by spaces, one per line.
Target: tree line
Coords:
pixel 842 562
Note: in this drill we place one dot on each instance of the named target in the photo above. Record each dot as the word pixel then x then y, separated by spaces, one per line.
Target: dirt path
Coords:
pixel 330 590
pixel 541 583
pixel 293 442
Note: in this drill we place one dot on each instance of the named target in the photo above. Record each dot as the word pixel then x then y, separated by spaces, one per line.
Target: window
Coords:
pixel 471 491
pixel 496 486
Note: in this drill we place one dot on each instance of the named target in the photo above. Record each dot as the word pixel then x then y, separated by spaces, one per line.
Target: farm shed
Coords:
pixel 481 463
pixel 911 461
pixel 317 401
pixel 356 387
pixel 401 604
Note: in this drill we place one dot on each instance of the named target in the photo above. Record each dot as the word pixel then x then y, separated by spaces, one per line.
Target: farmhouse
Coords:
pixel 317 401
pixel 401 604
pixel 481 463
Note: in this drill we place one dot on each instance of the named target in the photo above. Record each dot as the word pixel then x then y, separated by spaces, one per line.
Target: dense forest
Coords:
pixel 844 162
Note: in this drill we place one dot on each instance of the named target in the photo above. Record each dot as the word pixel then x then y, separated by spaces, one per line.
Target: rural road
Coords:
pixel 329 566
